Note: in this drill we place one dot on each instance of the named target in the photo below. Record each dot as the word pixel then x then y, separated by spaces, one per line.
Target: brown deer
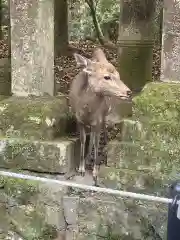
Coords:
pixel 90 97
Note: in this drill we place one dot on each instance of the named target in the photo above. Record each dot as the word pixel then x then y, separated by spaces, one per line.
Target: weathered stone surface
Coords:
pixel 127 155
pixel 112 218
pixel 170 59
pixel 33 118
pixel 157 159
pixel 70 209
pixel 70 205
pixel 103 216
pixel 32 52
pixel 31 210
pixel 53 157
pixel 146 182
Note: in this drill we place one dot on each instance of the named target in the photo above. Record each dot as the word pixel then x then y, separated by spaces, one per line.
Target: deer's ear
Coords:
pixel 81 61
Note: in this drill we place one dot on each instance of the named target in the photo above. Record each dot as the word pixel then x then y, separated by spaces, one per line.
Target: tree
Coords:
pixel 103 41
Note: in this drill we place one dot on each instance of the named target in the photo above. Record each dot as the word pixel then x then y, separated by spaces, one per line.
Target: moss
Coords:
pixel 146 182
pixel 29 222
pixel 157 112
pixel 48 232
pixel 19 189
pixel 32 117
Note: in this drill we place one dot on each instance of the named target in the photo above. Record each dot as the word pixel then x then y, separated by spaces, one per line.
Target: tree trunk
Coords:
pixel 100 36
pixel 95 21
pixel 136 39
pixel 61 26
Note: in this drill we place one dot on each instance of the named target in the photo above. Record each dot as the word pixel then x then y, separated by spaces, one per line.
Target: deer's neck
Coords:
pixel 97 102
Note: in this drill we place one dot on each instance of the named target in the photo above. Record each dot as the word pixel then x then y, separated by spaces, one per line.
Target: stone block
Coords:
pixel 70 210
pixel 115 218
pixel 41 118
pixel 34 210
pixel 42 156
pixel 72 233
pixel 145 182
pixel 127 155
pixel 143 155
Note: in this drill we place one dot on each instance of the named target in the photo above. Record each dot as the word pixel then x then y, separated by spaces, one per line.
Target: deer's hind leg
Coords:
pixel 82 150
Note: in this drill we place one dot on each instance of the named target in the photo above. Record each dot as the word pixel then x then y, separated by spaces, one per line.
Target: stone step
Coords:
pixel 135 156
pixel 58 156
pixel 146 182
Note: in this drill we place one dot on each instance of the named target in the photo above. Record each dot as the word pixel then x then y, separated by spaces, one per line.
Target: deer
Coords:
pixel 90 97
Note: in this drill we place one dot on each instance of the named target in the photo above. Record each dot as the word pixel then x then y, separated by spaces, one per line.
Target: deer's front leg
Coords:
pixel 105 133
pixel 82 150
pixel 96 163
pixel 90 147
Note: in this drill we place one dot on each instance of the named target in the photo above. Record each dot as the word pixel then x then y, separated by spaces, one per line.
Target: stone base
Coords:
pixel 31 210
pixel 41 156
pixel 43 118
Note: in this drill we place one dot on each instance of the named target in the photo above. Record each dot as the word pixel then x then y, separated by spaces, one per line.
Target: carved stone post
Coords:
pixel 136 34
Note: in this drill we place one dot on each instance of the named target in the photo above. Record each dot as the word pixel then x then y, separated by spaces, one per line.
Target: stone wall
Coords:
pixel 145 160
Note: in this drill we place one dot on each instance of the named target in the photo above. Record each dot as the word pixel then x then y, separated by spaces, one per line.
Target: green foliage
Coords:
pixel 81 24
pixel 19 189
pixel 158 110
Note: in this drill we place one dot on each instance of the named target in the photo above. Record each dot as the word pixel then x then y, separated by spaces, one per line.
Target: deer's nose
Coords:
pixel 129 93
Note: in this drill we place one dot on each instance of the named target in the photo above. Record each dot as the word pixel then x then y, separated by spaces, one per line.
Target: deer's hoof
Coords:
pixel 70 175
pixel 81 171
pixel 82 174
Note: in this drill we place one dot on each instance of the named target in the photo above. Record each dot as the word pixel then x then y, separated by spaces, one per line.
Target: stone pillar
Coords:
pixel 170 57
pixel 32 47
pixel 136 42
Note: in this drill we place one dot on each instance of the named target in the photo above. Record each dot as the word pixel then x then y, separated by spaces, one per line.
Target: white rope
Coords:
pixel 87 187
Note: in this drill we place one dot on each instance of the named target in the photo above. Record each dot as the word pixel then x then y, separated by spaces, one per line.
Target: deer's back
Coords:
pixel 89 108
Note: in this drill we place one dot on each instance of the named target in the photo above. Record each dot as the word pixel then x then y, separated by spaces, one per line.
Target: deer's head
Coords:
pixel 103 78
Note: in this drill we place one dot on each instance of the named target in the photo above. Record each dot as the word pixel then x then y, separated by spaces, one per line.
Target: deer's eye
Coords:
pixel 107 77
